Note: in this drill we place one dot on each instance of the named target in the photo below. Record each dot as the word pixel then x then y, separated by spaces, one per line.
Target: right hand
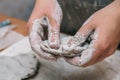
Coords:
pixel 51 10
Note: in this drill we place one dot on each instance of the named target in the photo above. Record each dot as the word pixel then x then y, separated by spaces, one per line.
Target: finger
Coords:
pixel 83 59
pixel 101 47
pixel 42 54
pixel 93 52
pixel 83 33
pixel 36 37
pixel 89 56
pixel 54 21
pixel 45 47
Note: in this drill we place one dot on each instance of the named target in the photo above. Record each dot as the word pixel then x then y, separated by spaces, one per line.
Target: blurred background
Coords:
pixel 22 8
pixel 17 8
pixel 75 11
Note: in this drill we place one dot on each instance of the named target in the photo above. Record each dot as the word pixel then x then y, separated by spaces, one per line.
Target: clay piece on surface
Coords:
pixel 20 67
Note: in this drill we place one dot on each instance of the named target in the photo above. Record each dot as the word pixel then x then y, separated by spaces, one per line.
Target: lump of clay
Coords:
pixel 72 51
pixel 18 67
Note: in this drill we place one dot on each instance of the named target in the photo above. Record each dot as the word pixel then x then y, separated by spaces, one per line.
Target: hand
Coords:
pixel 103 27
pixel 36 37
pixel 53 12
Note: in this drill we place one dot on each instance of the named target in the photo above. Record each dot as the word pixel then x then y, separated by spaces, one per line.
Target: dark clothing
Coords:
pixel 75 12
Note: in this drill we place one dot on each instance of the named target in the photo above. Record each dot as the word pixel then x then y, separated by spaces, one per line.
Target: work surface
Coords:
pixel 20 28
pixel 21 25
pixel 108 69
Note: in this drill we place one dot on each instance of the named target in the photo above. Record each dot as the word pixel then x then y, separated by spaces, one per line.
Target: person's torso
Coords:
pixel 75 12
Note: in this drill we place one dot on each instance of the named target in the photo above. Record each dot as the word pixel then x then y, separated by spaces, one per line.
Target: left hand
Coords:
pixel 52 10
pixel 106 37
pixel 46 17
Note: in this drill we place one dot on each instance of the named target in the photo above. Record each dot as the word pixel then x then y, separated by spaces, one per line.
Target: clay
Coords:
pixel 20 67
pixel 64 49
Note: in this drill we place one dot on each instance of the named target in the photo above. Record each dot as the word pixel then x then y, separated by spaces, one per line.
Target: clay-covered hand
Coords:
pixel 52 10
pixel 50 13
pixel 37 36
pixel 102 30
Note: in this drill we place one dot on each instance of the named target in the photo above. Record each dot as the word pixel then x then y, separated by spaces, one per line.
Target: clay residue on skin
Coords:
pixel 85 52
pixel 57 16
pixel 37 35
pixel 78 45
pixel 87 55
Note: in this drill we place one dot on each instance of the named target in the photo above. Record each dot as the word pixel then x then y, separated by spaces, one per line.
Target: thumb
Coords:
pixel 83 34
